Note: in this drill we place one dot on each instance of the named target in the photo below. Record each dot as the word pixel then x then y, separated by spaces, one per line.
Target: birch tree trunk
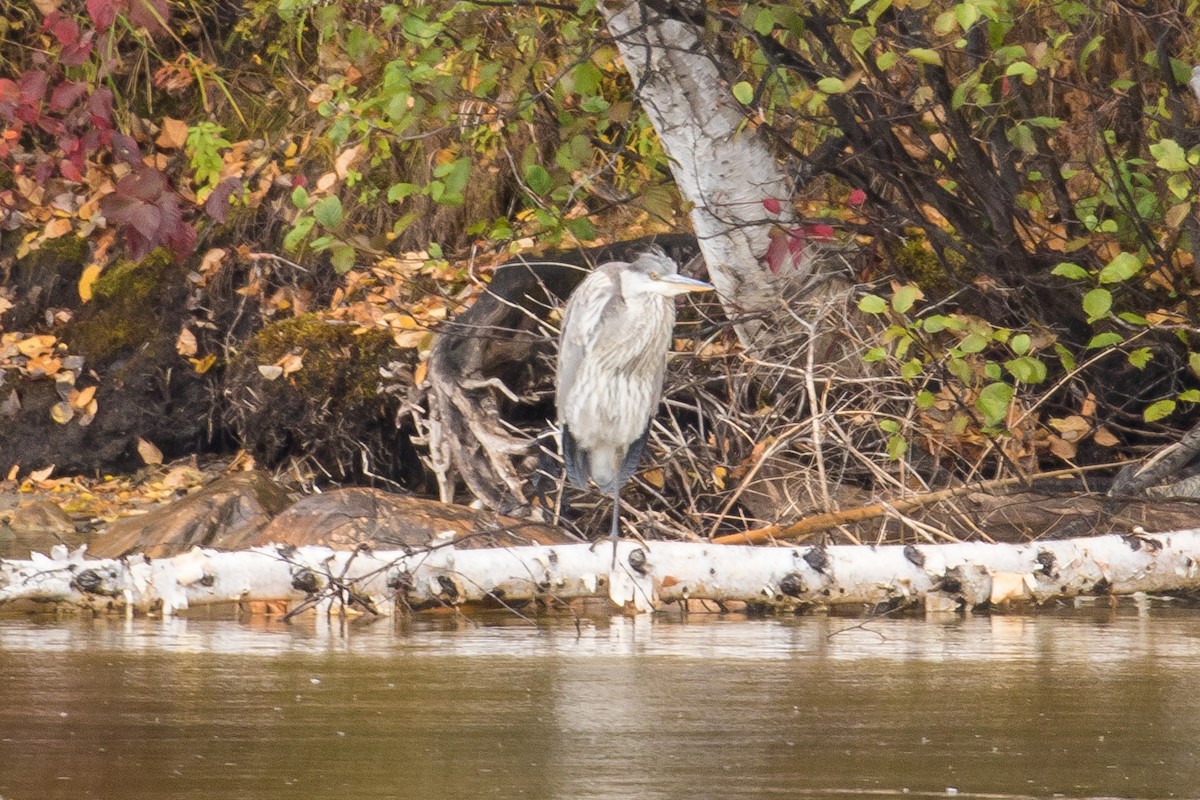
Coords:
pixel 720 164
pixel 939 577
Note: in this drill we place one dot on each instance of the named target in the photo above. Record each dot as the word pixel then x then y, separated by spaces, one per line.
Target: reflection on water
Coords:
pixel 1079 704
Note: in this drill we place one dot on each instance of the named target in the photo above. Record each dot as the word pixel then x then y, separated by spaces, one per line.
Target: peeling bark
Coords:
pixel 720 164
pixel 937 577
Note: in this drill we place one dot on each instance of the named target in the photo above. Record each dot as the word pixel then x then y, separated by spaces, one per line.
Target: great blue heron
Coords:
pixel 612 354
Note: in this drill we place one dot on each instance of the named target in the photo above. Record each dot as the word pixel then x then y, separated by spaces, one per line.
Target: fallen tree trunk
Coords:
pixel 939 577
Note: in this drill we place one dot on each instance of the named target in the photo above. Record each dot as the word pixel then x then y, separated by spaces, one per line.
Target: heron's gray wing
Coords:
pixel 583 319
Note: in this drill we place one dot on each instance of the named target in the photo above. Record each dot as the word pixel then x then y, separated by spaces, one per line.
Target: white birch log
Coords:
pixel 720 164
pixel 940 577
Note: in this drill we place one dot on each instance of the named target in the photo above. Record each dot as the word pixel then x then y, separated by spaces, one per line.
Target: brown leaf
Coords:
pixel 290 363
pixel 270 371
pixel 211 260
pixel 1105 438
pixel 57 227
pixel 149 453
pixel 345 161
pixel 39 475
pixel 173 135
pixel 81 399
pixel 185 344
pixel 1061 448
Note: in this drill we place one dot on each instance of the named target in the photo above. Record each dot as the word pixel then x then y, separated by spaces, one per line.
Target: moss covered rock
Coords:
pixel 312 389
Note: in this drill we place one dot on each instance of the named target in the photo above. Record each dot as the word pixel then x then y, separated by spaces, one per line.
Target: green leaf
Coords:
pixel 1092 46
pixel 831 86
pixel 1123 267
pixel 875 354
pixel 399 191
pixel 993 402
pixel 935 323
pixel 896 447
pixel 872 304
pixel 911 369
pixel 925 55
pixel 1190 396
pixel 1156 411
pixel 1065 357
pixel 1140 357
pixel 300 229
pixel 764 23
pixel 1180 186
pixel 889 426
pixel 904 298
pixel 342 257
pixel 582 228
pixel 973 343
pixel 1026 369
pixel 1194 363
pixel 1023 69
pixel 1020 344
pixel 1169 155
pixel 300 197
pixel 328 211
pixel 1097 303
pixel 1049 123
pixel 744 92
pixel 1105 340
pixel 1068 270
pixel 886 60
pixel 925 399
pixel 586 78
pixel 537 179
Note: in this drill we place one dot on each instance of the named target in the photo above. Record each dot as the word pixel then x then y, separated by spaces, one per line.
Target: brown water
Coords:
pixel 1079 704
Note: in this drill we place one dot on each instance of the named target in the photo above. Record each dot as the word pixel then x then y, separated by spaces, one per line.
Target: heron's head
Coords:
pixel 655 272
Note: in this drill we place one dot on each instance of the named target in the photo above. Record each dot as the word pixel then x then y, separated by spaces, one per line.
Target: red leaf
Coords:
pixel 143 184
pixel 69 171
pixel 66 95
pixel 183 241
pixel 772 205
pixel 102 12
pixel 100 106
pixel 124 148
pixel 79 52
pixel 857 197
pixel 149 14
pixel 217 204
pixel 33 86
pixel 61 27
pixel 821 233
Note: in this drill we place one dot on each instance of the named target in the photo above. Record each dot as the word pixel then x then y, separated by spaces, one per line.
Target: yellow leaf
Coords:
pixel 718 475
pixel 39 475
pixel 62 412
pixel 90 273
pixel 419 373
pixel 270 371
pixel 203 365
pixel 12 473
pixel 654 477
pixel 173 135
pixel 149 453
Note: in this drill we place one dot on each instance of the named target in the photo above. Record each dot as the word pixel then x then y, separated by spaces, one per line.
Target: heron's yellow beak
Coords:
pixel 682 283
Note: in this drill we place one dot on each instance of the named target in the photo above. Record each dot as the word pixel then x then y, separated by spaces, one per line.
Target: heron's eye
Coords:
pixel 654 276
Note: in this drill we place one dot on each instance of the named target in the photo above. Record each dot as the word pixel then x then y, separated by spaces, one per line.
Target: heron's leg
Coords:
pixel 616 524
